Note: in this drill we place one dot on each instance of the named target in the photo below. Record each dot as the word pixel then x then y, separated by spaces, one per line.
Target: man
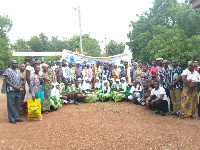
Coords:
pixel 158 99
pixel 127 69
pixel 122 72
pixel 110 72
pixel 68 72
pixel 59 72
pixel 163 80
pixel 134 71
pixel 159 62
pixel 105 71
pixel 78 71
pixel 11 87
pixel 175 86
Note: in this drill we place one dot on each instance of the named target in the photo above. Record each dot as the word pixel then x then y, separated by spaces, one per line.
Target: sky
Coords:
pixel 102 19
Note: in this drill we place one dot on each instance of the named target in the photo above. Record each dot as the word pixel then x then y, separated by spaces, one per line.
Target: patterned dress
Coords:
pixel 46 87
pixel 189 102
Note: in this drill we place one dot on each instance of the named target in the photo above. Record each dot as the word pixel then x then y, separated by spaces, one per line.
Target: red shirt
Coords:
pixel 154 71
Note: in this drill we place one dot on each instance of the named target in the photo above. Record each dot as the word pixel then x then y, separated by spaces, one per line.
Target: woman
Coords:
pixel 139 71
pixel 146 76
pixel 154 70
pixel 36 85
pixel 189 92
pixel 22 88
pixel 46 87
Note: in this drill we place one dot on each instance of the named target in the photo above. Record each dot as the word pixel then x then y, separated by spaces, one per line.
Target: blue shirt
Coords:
pixel 172 76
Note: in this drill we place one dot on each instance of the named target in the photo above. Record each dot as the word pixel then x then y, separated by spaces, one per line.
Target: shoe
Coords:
pixel 174 113
pixel 13 122
pixel 178 115
pixel 75 103
pixel 163 114
pixel 182 116
pixel 157 112
pixel 19 120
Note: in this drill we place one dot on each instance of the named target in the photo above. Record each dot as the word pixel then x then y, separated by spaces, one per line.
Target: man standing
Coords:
pixel 11 86
pixel 175 86
pixel 163 80
pixel 78 71
pixel 134 71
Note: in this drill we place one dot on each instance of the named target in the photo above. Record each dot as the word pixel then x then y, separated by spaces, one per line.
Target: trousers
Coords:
pixel 13 105
pixel 175 95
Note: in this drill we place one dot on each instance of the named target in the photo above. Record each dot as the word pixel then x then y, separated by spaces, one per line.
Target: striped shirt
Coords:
pixel 173 74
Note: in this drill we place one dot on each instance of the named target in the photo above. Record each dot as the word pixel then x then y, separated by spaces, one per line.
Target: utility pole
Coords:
pixel 79 14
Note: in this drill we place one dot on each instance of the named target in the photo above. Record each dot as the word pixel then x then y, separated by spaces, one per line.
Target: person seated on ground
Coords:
pixel 124 91
pixel 158 99
pixel 102 81
pixel 104 93
pixel 135 93
pixel 145 94
pixel 97 84
pixel 77 92
pixel 112 83
pixel 65 89
pixel 113 87
pixel 56 98
pixel 87 86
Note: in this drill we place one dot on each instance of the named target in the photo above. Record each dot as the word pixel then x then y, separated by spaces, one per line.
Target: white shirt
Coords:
pixel 134 89
pixel 158 92
pixel 194 77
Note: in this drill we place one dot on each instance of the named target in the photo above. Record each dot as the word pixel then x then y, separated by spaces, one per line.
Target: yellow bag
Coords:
pixel 34 108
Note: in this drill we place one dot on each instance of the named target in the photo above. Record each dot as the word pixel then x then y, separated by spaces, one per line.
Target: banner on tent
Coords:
pixel 70 56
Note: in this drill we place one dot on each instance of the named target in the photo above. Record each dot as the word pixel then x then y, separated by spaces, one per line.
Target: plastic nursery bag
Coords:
pixel 34 108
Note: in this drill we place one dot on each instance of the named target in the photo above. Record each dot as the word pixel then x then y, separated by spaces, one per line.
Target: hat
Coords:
pixel 90 79
pixel 161 59
pixel 195 61
pixel 117 80
pixel 97 78
pixel 123 78
pixel 79 79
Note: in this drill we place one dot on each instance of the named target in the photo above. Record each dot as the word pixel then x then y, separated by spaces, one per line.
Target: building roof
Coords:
pixel 195 3
pixel 36 54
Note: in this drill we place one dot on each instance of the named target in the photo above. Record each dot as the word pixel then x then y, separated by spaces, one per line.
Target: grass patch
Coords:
pixel 78 107
pixel 102 108
pixel 115 111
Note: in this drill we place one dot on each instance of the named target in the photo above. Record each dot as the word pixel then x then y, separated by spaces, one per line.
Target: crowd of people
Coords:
pixel 159 85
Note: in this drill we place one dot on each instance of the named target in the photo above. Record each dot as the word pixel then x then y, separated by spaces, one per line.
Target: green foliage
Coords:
pixel 20 46
pixel 114 48
pixel 5 53
pixel 169 30
pixel 90 45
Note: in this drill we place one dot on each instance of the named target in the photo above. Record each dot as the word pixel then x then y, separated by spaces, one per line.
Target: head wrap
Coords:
pixel 123 78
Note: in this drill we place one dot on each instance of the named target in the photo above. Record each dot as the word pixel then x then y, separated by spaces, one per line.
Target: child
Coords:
pixel 97 84
pixel 124 93
pixel 135 93
pixel 146 93
pixel 77 91
pixel 104 93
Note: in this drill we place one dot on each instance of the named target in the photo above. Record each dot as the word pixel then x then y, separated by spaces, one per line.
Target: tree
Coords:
pixel 90 45
pixel 35 44
pixel 20 46
pixel 114 48
pixel 160 32
pixel 5 53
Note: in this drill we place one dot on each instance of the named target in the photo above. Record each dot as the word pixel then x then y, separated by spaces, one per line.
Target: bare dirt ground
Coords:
pixel 99 125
